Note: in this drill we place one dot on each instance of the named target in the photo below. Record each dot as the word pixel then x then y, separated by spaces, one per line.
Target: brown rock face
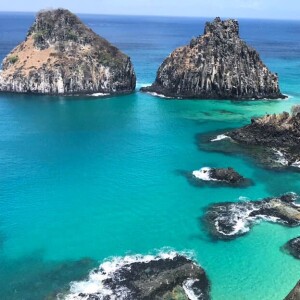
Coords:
pixel 61 55
pixel 216 65
pixel 295 293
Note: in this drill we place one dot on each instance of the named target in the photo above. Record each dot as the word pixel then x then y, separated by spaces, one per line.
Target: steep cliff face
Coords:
pixel 216 65
pixel 61 55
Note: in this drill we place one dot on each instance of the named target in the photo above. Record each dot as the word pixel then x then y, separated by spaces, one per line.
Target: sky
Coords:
pixel 262 9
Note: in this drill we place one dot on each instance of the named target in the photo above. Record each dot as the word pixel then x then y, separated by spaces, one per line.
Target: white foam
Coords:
pixel 203 174
pixel 296 164
pixel 239 219
pixel 81 290
pixel 187 287
pixel 99 95
pixel 159 95
pixel 281 159
pixel 220 137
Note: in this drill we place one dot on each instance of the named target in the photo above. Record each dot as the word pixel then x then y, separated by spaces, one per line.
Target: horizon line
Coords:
pixel 159 16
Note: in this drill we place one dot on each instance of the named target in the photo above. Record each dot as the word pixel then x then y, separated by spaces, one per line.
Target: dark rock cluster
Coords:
pixel 230 220
pixel 278 133
pixel 61 55
pixel 216 65
pixel 160 278
pixel 293 247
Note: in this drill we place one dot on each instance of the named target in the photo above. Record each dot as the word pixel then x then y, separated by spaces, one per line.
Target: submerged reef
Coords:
pixel 229 220
pixel 216 65
pixel 166 276
pixel 61 55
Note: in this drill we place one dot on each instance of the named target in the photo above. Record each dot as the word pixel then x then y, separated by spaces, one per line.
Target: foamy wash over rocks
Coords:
pixel 216 65
pixel 231 220
pixel 61 55
pixel 166 276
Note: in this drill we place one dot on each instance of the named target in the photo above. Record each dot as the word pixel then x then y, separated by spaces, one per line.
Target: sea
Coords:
pixel 84 180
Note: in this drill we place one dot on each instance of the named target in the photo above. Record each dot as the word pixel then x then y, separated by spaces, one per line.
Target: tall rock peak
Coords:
pixel 228 28
pixel 216 65
pixel 61 55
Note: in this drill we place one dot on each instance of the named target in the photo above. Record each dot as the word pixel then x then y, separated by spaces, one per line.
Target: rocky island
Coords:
pixel 215 177
pixel 293 247
pixel 225 175
pixel 163 277
pixel 62 56
pixel 216 65
pixel 230 220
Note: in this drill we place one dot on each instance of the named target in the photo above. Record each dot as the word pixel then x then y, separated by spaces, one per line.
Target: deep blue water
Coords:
pixel 82 178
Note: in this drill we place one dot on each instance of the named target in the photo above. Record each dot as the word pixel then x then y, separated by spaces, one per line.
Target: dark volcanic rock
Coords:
pixel 226 174
pixel 272 140
pixel 61 55
pixel 165 277
pixel 295 293
pixel 293 247
pixel 231 220
pixel 216 177
pixel 279 134
pixel 216 65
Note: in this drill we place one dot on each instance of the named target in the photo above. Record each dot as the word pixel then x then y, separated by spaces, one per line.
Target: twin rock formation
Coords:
pixel 61 55
pixel 216 65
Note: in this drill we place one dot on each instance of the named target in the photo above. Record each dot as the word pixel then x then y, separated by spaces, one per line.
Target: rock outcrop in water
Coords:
pixel 230 220
pixel 61 55
pixel 215 177
pixel 228 175
pixel 293 247
pixel 295 293
pixel 279 134
pixel 216 65
pixel 163 277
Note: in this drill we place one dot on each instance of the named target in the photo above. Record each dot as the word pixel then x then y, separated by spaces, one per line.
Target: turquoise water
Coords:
pixel 87 178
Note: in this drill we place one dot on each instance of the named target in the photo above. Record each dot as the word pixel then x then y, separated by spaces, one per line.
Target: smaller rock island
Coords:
pixel 227 175
pixel 293 247
pixel 62 56
pixel 216 65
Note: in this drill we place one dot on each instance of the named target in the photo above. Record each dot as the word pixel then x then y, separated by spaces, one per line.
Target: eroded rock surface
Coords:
pixel 216 65
pixel 230 220
pixel 61 55
pixel 295 293
pixel 164 277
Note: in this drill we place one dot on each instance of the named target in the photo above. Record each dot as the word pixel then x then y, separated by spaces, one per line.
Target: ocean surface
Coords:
pixel 82 179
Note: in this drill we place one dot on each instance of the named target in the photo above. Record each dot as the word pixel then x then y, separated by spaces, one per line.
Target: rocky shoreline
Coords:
pixel 62 56
pixel 163 277
pixel 272 140
pixel 216 65
pixel 229 220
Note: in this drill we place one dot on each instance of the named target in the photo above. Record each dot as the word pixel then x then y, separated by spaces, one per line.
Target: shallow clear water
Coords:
pixel 87 178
